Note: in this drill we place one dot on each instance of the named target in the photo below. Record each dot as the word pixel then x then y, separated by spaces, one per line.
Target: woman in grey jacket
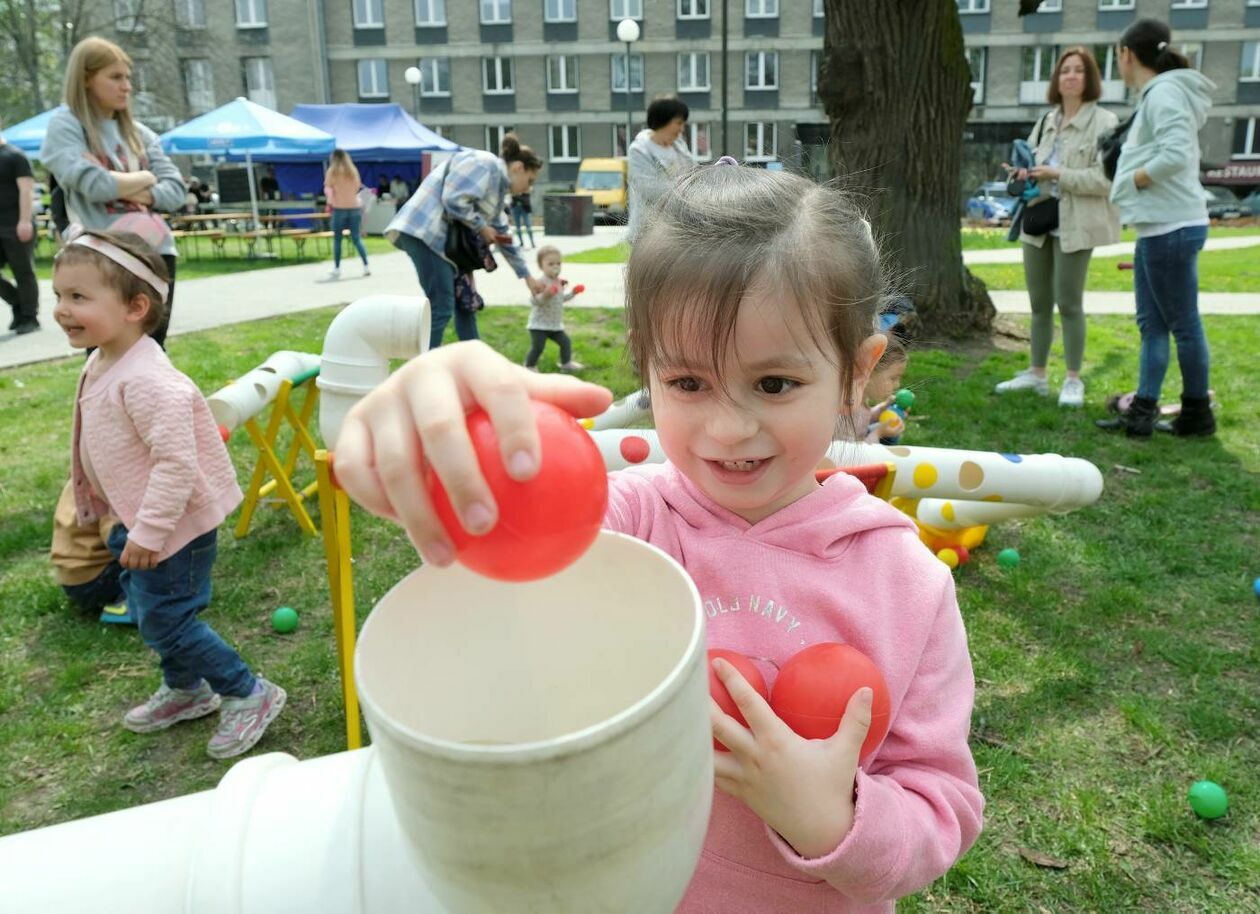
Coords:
pixel 107 165
pixel 1158 191
pixel 1056 263
pixel 657 156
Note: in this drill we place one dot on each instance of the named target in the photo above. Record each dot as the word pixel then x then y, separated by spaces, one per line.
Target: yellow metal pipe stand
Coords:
pixel 334 513
pixel 281 472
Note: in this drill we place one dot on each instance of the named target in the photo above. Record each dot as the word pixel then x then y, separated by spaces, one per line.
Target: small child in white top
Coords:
pixel 546 316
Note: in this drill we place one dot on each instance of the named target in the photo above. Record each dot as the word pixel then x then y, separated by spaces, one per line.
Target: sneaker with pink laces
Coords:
pixel 243 721
pixel 169 706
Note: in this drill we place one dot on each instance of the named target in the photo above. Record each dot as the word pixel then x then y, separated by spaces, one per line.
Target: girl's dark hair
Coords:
pixel 665 109
pixel 1145 37
pixel 721 232
pixel 511 150
pixel 127 284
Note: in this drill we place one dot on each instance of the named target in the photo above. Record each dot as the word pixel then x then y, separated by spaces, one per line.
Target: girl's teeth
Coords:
pixel 740 464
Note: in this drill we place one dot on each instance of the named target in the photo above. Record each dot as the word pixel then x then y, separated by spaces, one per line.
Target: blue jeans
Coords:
pixel 166 600
pixel 103 590
pixel 437 278
pixel 351 219
pixel 523 220
pixel 1166 282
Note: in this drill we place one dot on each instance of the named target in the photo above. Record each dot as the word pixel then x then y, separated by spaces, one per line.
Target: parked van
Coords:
pixel 605 181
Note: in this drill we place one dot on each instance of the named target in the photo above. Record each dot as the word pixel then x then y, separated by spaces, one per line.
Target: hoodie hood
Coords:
pixel 823 524
pixel 1194 87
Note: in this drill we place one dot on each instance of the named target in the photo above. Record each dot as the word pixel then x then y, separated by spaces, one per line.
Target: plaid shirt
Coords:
pixel 475 193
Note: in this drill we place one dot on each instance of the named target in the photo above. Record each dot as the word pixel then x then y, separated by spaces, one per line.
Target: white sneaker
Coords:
pixel 1072 393
pixel 367 271
pixel 1025 380
pixel 335 273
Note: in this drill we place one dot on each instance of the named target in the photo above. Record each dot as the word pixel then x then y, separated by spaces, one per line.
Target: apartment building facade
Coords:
pixel 554 71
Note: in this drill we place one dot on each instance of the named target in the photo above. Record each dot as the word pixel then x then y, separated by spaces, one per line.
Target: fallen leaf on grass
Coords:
pixel 1040 859
pixel 1120 468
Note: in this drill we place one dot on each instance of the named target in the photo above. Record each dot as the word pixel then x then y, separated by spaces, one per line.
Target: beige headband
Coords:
pixel 129 262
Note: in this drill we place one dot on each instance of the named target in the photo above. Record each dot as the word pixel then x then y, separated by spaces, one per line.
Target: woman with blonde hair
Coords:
pixel 341 188
pixel 111 168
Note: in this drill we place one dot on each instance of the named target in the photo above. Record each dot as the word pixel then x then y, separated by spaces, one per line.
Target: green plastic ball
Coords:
pixel 1208 799
pixel 1008 558
pixel 284 619
pixel 904 398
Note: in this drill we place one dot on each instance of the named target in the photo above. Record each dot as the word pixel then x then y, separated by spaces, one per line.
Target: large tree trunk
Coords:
pixel 897 89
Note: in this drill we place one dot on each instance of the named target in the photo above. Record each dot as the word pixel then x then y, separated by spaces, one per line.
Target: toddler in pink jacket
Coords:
pixel 752 299
pixel 146 449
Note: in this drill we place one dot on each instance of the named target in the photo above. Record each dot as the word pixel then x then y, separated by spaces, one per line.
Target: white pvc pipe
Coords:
pixel 955 514
pixel 250 394
pixel 625 411
pixel 357 348
pixel 536 747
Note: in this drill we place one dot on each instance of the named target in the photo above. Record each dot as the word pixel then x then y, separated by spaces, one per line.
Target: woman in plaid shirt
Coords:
pixel 473 188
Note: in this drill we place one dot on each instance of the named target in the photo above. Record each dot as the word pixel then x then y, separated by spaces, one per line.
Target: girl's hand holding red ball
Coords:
pixel 802 788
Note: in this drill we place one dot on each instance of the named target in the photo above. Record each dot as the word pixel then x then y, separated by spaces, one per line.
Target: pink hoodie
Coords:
pixel 837 565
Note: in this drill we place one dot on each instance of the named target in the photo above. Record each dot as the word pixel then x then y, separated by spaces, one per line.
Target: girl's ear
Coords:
pixel 138 308
pixel 868 355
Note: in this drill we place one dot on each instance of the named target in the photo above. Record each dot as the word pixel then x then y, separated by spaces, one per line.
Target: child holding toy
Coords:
pixel 751 298
pixel 146 448
pixel 546 313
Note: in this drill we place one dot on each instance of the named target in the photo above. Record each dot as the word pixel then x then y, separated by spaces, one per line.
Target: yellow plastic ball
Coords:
pixel 949 557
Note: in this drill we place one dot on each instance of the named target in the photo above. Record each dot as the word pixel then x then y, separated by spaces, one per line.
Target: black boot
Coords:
pixel 1138 422
pixel 1195 419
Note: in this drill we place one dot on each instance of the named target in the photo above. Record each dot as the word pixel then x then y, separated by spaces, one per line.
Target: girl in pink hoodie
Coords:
pixel 146 449
pixel 752 299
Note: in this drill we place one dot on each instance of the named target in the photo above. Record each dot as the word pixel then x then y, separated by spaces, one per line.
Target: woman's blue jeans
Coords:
pixel 437 278
pixel 1166 282
pixel 524 222
pixel 351 220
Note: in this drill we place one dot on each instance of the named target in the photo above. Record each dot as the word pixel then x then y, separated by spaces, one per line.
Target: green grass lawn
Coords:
pixel 1118 664
pixel 974 239
pixel 1236 270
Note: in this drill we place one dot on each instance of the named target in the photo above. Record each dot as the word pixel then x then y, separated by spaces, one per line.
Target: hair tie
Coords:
pixel 726 160
pixel 76 235
pixel 1161 45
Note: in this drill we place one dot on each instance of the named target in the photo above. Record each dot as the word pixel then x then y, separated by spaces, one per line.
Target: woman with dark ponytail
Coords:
pixel 1158 192
pixel 470 188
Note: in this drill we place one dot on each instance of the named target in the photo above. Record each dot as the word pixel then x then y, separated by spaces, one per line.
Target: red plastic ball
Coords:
pixel 964 556
pixel 545 523
pixel 814 688
pixel 224 433
pixel 748 670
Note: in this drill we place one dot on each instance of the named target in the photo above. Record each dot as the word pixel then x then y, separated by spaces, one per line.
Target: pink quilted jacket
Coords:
pixel 155 450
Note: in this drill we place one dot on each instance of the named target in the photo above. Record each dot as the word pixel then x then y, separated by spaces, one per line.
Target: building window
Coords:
pixel 619 140
pixel 369 14
pixel 190 14
pixel 1189 4
pixel 977 59
pixel 1109 5
pixel 496 76
pixel 143 101
pixel 1247 138
pixel 619 72
pixel 560 11
pixel 1050 6
pixel 251 14
pixel 494 138
pixel 761 70
pixel 435 77
pixel 693 71
pixel 562 73
pixel 698 141
pixel 1037 66
pixel 260 82
pixel 373 78
pixel 761 9
pixel 760 142
pixel 1193 52
pixel 973 6
pixel 815 68
pixel 566 144
pixel 127 16
pixel 1249 67
pixel 625 9
pixel 496 12
pixel 199 85
pixel 693 9
pixel 1113 88
pixel 818 9
pixel 430 13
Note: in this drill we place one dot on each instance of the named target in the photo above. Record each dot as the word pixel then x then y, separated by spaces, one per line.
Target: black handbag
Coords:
pixel 1041 218
pixel 464 247
pixel 1110 144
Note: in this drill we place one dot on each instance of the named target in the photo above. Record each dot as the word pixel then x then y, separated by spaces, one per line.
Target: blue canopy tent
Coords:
pixel 382 139
pixel 244 130
pixel 28 135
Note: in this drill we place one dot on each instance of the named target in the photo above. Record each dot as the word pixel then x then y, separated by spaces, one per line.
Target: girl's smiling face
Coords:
pixel 91 311
pixel 751 439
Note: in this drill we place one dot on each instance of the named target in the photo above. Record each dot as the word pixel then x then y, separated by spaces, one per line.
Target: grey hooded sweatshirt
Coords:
pixel 1164 139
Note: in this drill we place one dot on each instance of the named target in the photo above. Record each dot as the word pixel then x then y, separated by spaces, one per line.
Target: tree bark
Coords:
pixel 897 89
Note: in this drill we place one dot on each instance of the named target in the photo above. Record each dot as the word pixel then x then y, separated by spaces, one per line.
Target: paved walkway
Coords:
pixel 238 297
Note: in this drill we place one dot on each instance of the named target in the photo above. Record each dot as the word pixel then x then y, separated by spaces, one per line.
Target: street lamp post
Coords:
pixel 412 75
pixel 628 31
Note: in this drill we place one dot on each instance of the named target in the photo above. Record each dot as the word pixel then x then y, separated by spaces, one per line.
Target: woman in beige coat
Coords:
pixel 1056 264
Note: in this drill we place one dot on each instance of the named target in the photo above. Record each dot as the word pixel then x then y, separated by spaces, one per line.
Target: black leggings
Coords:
pixel 538 339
